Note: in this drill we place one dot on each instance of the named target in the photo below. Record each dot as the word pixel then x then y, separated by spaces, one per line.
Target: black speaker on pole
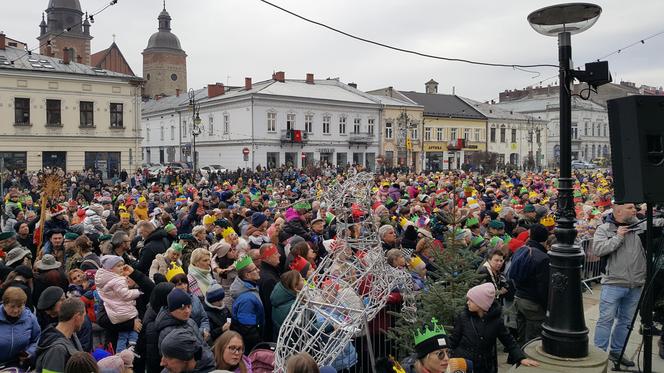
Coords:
pixel 637 148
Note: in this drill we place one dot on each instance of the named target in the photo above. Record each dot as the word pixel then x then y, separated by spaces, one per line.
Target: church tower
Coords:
pixel 164 61
pixel 64 27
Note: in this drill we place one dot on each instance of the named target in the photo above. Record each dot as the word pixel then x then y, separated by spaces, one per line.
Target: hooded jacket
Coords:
pixel 269 279
pixel 217 317
pixel 119 300
pixel 54 350
pixel 626 261
pixel 474 338
pixel 530 272
pixel 247 315
pixel 165 323
pixel 154 244
pixel 21 335
pixel 282 300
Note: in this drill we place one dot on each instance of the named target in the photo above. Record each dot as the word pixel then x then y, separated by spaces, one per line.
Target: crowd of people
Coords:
pixel 197 275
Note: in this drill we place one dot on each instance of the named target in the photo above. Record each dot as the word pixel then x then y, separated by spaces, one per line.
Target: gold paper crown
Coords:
pixel 429 333
pixel 227 232
pixel 548 221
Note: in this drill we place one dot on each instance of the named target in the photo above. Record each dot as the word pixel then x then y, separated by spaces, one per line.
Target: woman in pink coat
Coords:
pixel 119 300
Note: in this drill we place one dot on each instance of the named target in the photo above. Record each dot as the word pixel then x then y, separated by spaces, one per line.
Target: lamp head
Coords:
pixel 197 120
pixel 571 17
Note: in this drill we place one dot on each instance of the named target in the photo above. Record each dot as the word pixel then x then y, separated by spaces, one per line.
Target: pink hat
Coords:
pixel 482 295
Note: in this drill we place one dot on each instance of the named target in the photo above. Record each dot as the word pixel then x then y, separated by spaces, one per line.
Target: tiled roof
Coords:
pixel 441 105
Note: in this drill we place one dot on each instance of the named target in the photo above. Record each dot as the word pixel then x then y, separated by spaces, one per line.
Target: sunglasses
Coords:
pixel 441 354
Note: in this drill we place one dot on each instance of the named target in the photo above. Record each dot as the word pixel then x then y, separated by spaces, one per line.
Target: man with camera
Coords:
pixel 618 240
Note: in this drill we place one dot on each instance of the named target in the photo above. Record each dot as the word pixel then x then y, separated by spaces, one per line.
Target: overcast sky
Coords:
pixel 227 40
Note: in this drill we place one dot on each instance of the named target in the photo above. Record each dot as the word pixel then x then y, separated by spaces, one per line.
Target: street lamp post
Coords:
pixel 564 341
pixel 195 107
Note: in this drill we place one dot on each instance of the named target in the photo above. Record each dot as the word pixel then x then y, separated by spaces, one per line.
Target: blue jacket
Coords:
pixel 247 307
pixel 19 336
pixel 198 314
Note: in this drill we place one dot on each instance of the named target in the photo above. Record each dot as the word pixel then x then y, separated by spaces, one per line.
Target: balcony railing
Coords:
pixel 291 136
pixel 360 137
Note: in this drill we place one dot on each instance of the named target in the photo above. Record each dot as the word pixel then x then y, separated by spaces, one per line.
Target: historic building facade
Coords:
pixel 64 15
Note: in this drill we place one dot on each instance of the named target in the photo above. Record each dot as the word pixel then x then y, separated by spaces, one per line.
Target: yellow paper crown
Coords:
pixel 548 221
pixel 209 219
pixel 174 271
pixel 227 232
pixel 124 215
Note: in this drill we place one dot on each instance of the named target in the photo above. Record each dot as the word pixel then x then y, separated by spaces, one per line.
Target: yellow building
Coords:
pixel 58 113
pixel 401 130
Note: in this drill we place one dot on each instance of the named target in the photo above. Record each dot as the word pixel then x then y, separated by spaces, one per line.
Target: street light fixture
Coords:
pixel 564 332
pixel 195 108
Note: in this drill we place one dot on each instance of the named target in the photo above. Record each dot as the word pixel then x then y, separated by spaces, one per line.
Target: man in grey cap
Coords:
pixel 181 351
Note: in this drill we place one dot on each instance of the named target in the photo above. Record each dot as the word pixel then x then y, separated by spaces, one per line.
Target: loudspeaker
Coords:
pixel 637 148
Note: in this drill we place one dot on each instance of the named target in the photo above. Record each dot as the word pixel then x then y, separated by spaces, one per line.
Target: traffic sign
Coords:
pixel 245 151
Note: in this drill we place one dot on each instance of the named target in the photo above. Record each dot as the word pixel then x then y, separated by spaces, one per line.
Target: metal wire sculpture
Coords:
pixel 349 287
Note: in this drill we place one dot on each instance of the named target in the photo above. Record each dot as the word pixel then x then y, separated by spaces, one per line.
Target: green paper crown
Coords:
pixel 477 241
pixel 243 262
pixel 429 333
pixel 472 221
pixel 302 205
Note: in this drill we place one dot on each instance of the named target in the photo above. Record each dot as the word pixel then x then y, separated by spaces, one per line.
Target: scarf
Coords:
pixel 202 276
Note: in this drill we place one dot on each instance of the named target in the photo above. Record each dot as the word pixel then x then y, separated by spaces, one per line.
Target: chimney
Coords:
pixel 279 76
pixel 177 92
pixel 2 40
pixel 215 90
pixel 354 85
pixel 65 56
pixel 310 78
pixel 247 84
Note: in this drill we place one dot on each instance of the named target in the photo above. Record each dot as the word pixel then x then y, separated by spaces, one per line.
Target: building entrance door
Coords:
pixel 54 160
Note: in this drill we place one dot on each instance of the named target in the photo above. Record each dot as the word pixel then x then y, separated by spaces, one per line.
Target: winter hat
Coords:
pixel 515 244
pixel 215 293
pixel 110 261
pixel 177 299
pixel 105 237
pixel 220 249
pixel 169 227
pixel 482 295
pixel 257 219
pixel 70 236
pixel 180 344
pixel 24 271
pixel 538 233
pixel 496 224
pixel 301 265
pixel 431 339
pixel 177 247
pixel 159 295
pixel 529 208
pixel 7 235
pixel 47 262
pixel 49 297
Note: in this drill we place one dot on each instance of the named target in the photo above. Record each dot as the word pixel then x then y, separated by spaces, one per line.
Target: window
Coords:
pixel 493 135
pixel 357 123
pixel 427 134
pixel 185 131
pixel 309 123
pixel 502 133
pixel 593 129
pixel 22 110
pixel 439 134
pixel 477 134
pixel 290 121
pixel 388 130
pixel 575 132
pixel 161 133
pixel 370 126
pixel 342 125
pixel 172 133
pixel 453 134
pixel 466 133
pixel 87 114
pixel 513 134
pixel 271 122
pixel 116 115
pixel 415 134
pixel 53 113
pixel 326 124
pixel 585 130
pixel 605 133
pixel 538 137
pixel 227 123
pixel 211 127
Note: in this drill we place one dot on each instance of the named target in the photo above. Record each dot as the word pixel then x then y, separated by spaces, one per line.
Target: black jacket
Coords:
pixel 154 244
pixel 270 276
pixel 54 349
pixel 217 318
pixel 294 227
pixel 474 338
pixel 530 272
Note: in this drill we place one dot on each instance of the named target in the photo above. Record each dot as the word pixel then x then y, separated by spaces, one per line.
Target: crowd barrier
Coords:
pixel 593 266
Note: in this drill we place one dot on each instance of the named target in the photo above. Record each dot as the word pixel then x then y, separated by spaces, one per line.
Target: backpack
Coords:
pixel 262 357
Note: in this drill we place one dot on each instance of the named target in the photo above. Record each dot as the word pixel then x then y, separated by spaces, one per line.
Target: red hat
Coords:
pixel 523 236
pixel 57 210
pixel 301 265
pixel 515 244
pixel 72 203
pixel 269 252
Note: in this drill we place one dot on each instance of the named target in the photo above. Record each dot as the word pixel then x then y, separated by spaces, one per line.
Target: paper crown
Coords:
pixel 243 263
pixel 548 221
pixel 227 232
pixel 302 205
pixel 174 271
pixel 472 221
pixel 177 247
pixel 209 219
pixel 436 331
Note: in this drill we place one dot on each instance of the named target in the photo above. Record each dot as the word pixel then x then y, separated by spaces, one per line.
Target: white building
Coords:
pixel 518 139
pixel 337 124
pixel 590 125
pixel 59 113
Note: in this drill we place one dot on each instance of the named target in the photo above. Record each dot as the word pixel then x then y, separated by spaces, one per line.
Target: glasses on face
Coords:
pixel 441 354
pixel 235 349
pixel 254 270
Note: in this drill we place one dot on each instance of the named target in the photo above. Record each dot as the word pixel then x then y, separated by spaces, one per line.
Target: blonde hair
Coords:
pixel 199 254
pixel 14 296
pixel 198 229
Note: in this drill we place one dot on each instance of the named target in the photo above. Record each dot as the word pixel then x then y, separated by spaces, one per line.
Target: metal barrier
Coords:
pixel 593 266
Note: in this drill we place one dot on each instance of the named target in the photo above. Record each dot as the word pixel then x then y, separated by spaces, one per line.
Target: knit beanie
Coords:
pixel 177 299
pixel 257 219
pixel 215 293
pixel 180 344
pixel 110 261
pixel 482 295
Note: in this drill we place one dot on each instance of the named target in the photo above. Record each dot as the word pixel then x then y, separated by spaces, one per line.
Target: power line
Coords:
pixel 514 66
pixel 640 41
pixel 66 29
